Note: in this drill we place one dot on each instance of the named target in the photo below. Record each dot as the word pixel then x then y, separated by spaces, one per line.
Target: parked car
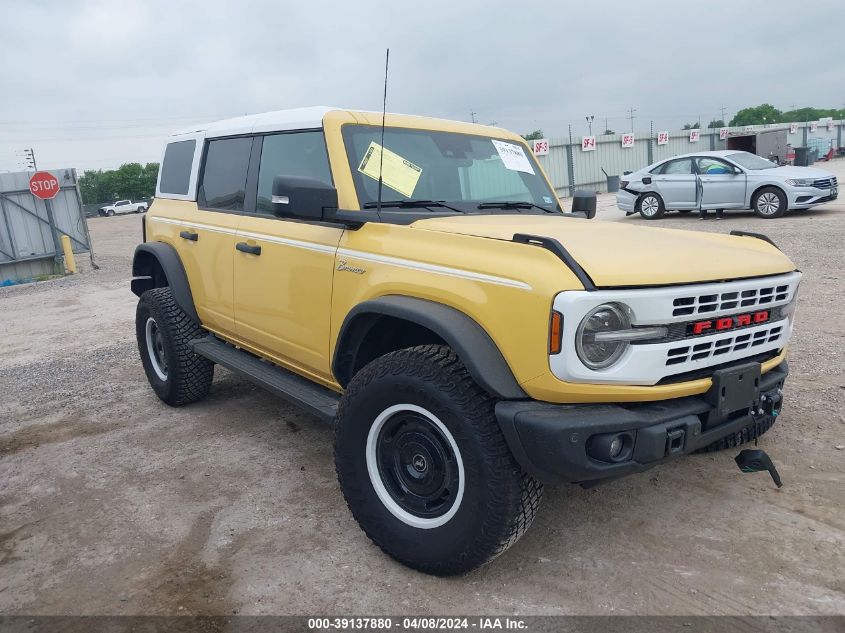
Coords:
pixel 723 180
pixel 467 340
pixel 123 206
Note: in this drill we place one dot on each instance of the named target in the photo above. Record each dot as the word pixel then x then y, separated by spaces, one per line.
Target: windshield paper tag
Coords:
pixel 513 156
pixel 397 173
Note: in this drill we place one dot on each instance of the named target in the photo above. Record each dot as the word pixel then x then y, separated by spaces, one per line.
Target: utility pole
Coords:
pixel 605 125
pixel 29 157
pixel 724 112
pixel 631 116
pixel 473 117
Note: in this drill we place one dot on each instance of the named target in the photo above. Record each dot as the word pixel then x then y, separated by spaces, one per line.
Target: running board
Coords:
pixel 297 390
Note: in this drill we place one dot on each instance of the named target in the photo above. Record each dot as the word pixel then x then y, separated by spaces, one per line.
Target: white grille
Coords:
pixel 731 300
pixel 727 345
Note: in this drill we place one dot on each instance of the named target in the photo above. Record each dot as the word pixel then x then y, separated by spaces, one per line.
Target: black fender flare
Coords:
pixel 464 335
pixel 173 269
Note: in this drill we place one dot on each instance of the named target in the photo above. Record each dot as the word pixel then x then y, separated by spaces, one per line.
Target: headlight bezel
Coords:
pixel 800 182
pixel 623 313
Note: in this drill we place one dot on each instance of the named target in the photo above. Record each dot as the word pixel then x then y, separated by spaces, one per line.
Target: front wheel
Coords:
pixel 110 213
pixel 769 202
pixel 651 206
pixel 424 467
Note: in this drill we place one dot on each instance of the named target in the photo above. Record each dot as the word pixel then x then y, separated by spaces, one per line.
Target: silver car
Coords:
pixel 723 180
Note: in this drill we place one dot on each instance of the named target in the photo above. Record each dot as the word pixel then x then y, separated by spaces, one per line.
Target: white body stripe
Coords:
pixel 345 252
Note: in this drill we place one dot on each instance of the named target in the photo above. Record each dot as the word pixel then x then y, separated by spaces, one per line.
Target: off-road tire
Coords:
pixel 188 376
pixel 743 436
pixel 769 191
pixel 660 210
pixel 499 499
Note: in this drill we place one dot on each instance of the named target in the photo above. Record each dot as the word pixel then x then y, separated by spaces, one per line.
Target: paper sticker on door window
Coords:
pixel 513 156
pixel 397 173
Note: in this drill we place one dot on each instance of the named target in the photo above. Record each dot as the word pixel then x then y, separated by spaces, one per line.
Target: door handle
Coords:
pixel 187 235
pixel 243 247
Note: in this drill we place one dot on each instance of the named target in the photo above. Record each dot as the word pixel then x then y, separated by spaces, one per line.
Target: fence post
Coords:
pixel 651 145
pixel 839 136
pixel 570 170
pixel 712 140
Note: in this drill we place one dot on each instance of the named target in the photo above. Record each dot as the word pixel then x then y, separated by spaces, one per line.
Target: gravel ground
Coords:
pixel 113 503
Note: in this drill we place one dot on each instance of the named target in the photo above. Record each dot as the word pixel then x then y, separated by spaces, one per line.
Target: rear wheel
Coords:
pixel 769 202
pixel 164 332
pixel 424 467
pixel 651 206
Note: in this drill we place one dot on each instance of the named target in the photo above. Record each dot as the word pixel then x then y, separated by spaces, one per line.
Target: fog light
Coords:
pixel 616 447
pixel 611 447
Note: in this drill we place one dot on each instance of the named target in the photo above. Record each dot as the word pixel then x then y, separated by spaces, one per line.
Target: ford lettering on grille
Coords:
pixel 727 323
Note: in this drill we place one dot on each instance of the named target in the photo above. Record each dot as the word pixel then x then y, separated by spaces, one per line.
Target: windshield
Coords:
pixel 459 170
pixel 751 161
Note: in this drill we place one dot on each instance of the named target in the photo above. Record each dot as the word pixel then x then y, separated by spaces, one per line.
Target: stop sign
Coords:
pixel 44 185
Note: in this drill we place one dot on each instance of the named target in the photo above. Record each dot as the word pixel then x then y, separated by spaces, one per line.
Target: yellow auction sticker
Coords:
pixel 397 173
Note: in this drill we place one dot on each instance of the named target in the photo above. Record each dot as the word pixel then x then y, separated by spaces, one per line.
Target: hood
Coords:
pixel 790 171
pixel 615 254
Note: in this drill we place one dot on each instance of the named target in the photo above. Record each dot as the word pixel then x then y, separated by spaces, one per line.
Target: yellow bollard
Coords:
pixel 70 262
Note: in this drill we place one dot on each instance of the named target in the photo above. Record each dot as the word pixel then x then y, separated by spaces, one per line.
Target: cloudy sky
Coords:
pixel 93 84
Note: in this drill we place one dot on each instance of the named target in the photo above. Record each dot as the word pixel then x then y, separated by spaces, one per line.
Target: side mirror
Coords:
pixel 301 197
pixel 584 202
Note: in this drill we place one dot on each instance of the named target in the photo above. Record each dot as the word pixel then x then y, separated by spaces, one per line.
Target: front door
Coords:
pixel 721 186
pixel 676 183
pixel 283 266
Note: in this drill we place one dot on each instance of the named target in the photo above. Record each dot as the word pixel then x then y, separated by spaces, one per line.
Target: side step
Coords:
pixel 297 390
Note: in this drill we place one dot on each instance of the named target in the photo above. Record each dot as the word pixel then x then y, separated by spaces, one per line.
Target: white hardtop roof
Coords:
pixel 279 120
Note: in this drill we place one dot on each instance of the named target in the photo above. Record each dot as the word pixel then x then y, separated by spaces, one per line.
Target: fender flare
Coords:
pixel 174 271
pixel 464 335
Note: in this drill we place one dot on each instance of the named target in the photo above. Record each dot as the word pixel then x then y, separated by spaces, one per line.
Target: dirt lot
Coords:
pixel 113 503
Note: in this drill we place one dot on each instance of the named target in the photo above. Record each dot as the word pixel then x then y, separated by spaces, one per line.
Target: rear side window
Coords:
pixel 680 166
pixel 176 168
pixel 224 175
pixel 294 154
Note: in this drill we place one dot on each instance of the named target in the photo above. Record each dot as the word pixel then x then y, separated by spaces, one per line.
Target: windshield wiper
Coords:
pixel 410 204
pixel 514 204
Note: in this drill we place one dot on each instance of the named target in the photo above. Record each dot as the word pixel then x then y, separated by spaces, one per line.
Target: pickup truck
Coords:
pixel 123 206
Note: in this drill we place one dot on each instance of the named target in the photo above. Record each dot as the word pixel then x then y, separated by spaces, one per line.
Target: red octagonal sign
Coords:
pixel 44 185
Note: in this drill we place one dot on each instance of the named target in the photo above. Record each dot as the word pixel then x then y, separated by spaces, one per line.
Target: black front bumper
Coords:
pixel 557 443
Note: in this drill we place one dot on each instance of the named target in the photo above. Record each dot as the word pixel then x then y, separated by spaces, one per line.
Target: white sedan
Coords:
pixel 723 180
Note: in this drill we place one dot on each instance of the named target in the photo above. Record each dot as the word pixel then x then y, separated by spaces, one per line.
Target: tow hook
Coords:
pixel 770 404
pixel 755 460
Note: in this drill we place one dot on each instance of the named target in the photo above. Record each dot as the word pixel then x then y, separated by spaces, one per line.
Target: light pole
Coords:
pixel 590 122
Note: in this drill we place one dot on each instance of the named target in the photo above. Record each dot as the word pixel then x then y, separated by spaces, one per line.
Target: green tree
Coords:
pixel 533 136
pixel 716 123
pixel 758 115
pixel 130 180
pixel 692 126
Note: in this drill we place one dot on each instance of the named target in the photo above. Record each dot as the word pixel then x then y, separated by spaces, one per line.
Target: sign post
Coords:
pixel 45 186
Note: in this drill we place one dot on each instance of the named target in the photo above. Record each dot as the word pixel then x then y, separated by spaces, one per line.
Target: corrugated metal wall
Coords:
pixel 26 235
pixel 610 155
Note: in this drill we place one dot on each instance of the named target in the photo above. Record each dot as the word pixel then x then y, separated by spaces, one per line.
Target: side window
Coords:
pixel 293 154
pixel 176 167
pixel 680 166
pixel 712 166
pixel 224 175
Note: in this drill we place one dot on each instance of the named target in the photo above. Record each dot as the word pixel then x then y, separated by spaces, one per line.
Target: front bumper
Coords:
pixel 554 442
pixel 806 197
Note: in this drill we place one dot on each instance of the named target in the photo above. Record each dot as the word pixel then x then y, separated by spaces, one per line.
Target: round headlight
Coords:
pixel 608 317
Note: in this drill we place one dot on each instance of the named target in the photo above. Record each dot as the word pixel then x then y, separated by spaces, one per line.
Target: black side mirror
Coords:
pixel 301 197
pixel 584 202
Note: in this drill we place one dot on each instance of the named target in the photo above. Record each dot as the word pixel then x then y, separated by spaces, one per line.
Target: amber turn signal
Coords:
pixel 555 332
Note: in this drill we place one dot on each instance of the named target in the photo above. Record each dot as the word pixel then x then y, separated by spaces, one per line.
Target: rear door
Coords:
pixel 721 186
pixel 206 236
pixel 675 181
pixel 285 266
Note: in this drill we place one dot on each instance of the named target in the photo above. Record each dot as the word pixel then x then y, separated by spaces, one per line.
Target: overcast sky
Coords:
pixel 93 84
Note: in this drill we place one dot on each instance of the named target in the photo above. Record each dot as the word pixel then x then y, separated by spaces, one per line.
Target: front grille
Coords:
pixel 737 299
pixel 825 183
pixel 714 348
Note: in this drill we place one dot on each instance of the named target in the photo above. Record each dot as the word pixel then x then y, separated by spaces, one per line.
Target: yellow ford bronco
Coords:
pixel 416 283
